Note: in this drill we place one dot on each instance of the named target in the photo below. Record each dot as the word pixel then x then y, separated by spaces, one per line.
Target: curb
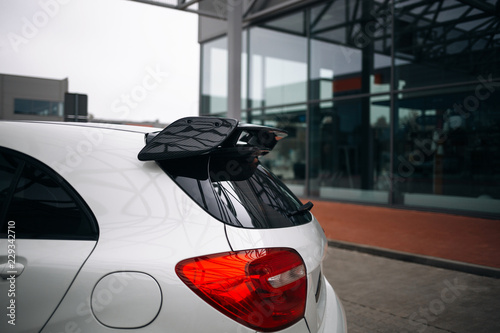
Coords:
pixel 418 259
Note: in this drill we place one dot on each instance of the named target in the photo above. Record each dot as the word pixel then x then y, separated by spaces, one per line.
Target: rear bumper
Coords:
pixel 334 320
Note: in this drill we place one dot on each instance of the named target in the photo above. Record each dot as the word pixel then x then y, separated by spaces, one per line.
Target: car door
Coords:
pixel 47 232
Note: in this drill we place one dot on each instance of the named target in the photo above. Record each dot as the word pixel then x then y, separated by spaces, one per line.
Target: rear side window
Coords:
pixel 8 168
pixel 41 204
pixel 255 198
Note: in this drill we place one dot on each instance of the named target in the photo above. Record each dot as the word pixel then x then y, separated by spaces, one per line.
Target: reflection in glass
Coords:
pixel 278 68
pixel 445 42
pixel 259 201
pixel 350 152
pixel 8 167
pixel 448 151
pixel 335 70
pixel 327 74
pixel 288 159
pixel 40 108
pixel 214 77
pixel 351 42
pixel 43 209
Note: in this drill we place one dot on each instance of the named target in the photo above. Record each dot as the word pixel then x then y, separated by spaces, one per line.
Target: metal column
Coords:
pixel 234 30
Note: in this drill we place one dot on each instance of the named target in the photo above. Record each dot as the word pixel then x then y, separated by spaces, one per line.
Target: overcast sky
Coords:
pixel 134 61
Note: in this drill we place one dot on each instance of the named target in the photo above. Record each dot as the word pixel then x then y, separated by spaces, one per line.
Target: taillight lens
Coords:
pixel 264 289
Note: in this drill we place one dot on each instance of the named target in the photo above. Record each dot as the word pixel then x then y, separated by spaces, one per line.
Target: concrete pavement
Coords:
pixel 385 295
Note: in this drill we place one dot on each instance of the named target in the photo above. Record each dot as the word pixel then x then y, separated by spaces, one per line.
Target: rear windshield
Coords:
pixel 245 194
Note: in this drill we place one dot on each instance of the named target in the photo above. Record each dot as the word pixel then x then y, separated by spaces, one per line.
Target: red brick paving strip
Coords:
pixel 453 237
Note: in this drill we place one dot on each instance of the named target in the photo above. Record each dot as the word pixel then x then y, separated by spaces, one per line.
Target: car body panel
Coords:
pixel 336 320
pixel 50 267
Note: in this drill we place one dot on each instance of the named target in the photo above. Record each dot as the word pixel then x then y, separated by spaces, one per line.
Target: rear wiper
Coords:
pixel 302 209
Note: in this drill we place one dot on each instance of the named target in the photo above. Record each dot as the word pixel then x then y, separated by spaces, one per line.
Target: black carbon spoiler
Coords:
pixel 195 136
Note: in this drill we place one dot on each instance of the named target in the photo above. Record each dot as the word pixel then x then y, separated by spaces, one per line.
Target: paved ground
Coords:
pixel 385 295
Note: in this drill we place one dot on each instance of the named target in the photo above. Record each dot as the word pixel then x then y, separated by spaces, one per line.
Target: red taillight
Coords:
pixel 264 289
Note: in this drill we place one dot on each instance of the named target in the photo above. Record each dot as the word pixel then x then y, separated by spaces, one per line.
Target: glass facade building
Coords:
pixel 386 102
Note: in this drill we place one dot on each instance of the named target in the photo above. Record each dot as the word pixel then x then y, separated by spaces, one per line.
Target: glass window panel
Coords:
pixel 257 200
pixel 23 106
pixel 214 77
pixel 317 13
pixel 8 167
pixel 331 14
pixel 337 35
pixel 278 68
pixel 447 147
pixel 445 44
pixel 43 209
pixel 353 23
pixel 292 23
pixel 350 157
pixel 288 158
pixel 40 108
pixel 347 48
pixel 452 13
pixel 336 70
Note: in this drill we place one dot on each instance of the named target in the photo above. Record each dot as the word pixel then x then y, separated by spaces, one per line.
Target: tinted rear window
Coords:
pixel 255 198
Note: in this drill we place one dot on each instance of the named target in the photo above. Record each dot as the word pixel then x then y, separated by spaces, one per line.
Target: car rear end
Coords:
pixel 195 235
pixel 272 279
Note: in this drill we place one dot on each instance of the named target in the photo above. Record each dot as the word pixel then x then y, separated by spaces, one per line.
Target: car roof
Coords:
pixel 118 127
pixel 59 143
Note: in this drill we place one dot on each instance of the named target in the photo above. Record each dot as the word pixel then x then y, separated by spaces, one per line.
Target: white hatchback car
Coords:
pixel 110 228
